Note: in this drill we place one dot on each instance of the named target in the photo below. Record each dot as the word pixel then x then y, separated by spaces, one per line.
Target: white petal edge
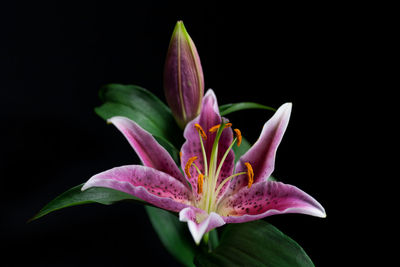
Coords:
pixel 197 230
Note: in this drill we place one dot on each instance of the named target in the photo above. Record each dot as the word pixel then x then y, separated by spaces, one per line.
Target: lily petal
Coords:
pixel 199 222
pixel 268 198
pixel 208 117
pixel 151 153
pixel 261 155
pixel 148 184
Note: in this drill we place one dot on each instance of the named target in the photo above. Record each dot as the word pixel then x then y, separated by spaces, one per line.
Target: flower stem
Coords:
pixel 206 237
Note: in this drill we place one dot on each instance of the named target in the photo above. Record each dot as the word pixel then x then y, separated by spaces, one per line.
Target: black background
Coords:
pixel 54 57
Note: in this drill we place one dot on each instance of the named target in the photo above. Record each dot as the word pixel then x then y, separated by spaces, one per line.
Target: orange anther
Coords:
pixel 250 174
pixel 188 165
pixel 238 136
pixel 216 127
pixel 201 131
pixel 200 181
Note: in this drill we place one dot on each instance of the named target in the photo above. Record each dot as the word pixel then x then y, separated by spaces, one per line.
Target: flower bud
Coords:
pixel 183 77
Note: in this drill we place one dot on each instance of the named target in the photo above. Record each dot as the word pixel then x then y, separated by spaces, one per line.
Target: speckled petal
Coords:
pixel 148 184
pixel 208 117
pixel 261 155
pixel 149 151
pixel 199 222
pixel 268 198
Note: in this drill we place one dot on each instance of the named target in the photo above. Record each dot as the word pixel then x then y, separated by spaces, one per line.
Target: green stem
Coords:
pixel 213 242
pixel 206 237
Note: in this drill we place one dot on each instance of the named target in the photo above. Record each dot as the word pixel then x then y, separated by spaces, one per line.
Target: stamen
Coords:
pixel 180 155
pixel 216 127
pixel 188 164
pixel 201 131
pixel 224 157
pixel 200 181
pixel 226 180
pixel 238 136
pixel 250 174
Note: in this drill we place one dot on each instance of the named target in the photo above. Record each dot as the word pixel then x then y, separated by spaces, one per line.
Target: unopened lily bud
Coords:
pixel 183 77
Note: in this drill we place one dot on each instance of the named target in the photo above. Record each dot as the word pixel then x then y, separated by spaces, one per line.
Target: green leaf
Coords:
pixel 145 109
pixel 173 234
pixel 75 196
pixel 239 151
pixel 229 108
pixel 154 116
pixel 141 106
pixel 273 179
pixel 256 243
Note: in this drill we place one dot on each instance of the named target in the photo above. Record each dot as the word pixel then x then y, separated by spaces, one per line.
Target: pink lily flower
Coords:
pixel 212 191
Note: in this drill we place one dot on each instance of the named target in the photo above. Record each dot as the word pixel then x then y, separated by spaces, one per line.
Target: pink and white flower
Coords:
pixel 212 190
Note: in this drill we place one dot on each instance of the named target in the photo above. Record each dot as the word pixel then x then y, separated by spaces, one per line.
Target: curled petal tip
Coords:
pixel 199 222
pixel 322 213
pixel 287 107
pixel 84 187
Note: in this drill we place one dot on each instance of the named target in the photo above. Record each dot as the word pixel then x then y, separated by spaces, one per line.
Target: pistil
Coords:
pixel 213 165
